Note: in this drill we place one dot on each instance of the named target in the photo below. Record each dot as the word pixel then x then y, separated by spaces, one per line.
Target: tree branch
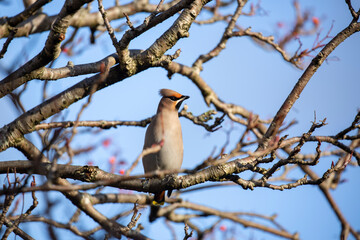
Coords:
pixel 50 51
pixel 303 80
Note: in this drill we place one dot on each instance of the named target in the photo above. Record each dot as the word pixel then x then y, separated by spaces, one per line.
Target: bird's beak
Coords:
pixel 184 98
pixel 178 104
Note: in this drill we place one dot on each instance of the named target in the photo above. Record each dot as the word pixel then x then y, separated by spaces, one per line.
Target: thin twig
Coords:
pixel 129 23
pixel 153 149
pixel 108 27
pixel 7 42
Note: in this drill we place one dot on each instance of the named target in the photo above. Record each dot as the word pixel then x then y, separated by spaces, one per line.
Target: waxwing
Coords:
pixel 164 129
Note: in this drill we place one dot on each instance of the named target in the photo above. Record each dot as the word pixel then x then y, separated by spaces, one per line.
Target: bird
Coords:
pixel 165 130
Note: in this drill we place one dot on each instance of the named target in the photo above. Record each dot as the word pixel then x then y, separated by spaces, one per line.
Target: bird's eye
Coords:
pixel 173 98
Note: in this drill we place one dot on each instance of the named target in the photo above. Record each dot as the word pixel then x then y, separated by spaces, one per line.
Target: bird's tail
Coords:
pixel 159 200
pixel 154 209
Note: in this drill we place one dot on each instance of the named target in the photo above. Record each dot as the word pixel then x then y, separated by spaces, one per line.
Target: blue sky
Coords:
pixel 244 74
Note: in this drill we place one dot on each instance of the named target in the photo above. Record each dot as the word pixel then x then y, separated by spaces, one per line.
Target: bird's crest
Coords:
pixel 169 93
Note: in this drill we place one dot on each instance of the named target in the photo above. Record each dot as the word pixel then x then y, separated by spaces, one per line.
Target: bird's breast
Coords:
pixel 166 129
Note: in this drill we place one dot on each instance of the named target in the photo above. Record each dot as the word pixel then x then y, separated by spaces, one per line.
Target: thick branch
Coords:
pixel 71 70
pixel 13 21
pixel 50 51
pixel 12 132
pixel 41 22
pixel 26 122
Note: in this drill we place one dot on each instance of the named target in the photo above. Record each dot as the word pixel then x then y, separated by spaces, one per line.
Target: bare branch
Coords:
pixel 225 215
pixel 304 79
pixel 50 51
pixel 100 124
pixel 109 28
pixel 7 43
pixel 29 11
pixel 354 14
